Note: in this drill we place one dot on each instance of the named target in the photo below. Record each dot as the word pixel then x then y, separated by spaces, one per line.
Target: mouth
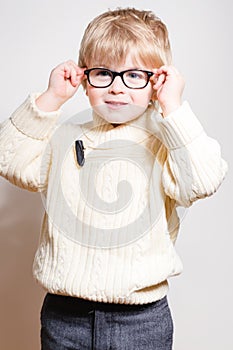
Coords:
pixel 116 104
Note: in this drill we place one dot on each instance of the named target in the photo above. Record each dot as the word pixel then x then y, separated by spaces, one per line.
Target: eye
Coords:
pixel 134 74
pixel 102 73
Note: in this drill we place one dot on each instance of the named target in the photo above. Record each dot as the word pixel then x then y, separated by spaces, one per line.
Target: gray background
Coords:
pixel 35 36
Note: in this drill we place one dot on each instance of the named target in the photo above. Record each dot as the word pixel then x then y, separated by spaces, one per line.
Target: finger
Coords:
pixel 73 77
pixel 80 72
pixel 67 71
pixel 160 81
pixel 79 76
pixel 169 70
pixel 73 65
pixel 70 72
pixel 69 66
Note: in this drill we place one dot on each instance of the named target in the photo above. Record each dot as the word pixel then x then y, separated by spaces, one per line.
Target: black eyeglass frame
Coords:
pixel 120 74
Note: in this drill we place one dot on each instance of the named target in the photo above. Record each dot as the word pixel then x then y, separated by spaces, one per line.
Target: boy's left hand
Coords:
pixel 169 85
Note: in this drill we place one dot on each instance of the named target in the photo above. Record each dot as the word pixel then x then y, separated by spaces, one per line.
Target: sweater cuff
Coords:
pixel 33 122
pixel 180 127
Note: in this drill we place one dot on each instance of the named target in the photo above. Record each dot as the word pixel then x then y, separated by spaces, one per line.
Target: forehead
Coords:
pixel 130 60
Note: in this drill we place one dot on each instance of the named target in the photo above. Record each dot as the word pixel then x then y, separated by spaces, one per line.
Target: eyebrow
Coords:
pixel 107 67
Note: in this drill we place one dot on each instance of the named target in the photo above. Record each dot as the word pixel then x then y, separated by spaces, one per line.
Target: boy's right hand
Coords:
pixel 64 81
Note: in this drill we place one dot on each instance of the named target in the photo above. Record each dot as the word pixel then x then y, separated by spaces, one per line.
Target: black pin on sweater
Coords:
pixel 79 148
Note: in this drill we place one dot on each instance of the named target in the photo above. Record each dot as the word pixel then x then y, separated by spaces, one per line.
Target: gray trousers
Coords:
pixel 69 323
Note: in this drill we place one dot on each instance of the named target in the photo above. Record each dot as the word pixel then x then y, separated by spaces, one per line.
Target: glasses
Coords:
pixel 132 78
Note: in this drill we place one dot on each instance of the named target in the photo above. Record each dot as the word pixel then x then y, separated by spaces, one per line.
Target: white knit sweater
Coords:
pixel 110 226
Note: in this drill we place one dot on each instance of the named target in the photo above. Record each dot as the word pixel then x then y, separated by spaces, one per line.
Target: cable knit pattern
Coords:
pixel 151 164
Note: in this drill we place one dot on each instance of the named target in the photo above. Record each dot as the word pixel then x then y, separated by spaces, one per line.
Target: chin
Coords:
pixel 121 115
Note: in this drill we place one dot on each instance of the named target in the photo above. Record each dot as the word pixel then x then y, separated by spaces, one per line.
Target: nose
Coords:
pixel 117 86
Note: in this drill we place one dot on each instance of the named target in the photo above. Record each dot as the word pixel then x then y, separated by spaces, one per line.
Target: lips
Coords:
pixel 116 104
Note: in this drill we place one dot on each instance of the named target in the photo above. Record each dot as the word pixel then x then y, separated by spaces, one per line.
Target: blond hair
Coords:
pixel 112 35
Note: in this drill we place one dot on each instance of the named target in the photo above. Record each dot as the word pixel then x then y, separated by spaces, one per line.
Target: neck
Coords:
pixel 115 125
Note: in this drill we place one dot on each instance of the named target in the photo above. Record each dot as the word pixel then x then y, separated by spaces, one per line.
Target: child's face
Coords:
pixel 118 103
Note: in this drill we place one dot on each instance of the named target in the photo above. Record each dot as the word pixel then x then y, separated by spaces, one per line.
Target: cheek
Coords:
pixel 150 90
pixel 91 96
pixel 94 95
pixel 143 97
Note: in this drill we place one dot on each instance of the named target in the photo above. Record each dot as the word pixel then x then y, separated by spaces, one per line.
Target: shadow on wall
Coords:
pixel 20 297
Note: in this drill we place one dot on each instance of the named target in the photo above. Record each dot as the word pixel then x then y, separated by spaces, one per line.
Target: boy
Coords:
pixel 111 186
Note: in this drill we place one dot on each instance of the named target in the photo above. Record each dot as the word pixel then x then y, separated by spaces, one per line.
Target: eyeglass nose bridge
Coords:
pixel 116 74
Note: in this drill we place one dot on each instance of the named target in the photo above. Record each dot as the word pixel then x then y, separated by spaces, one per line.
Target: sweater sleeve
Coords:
pixel 194 167
pixel 24 145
